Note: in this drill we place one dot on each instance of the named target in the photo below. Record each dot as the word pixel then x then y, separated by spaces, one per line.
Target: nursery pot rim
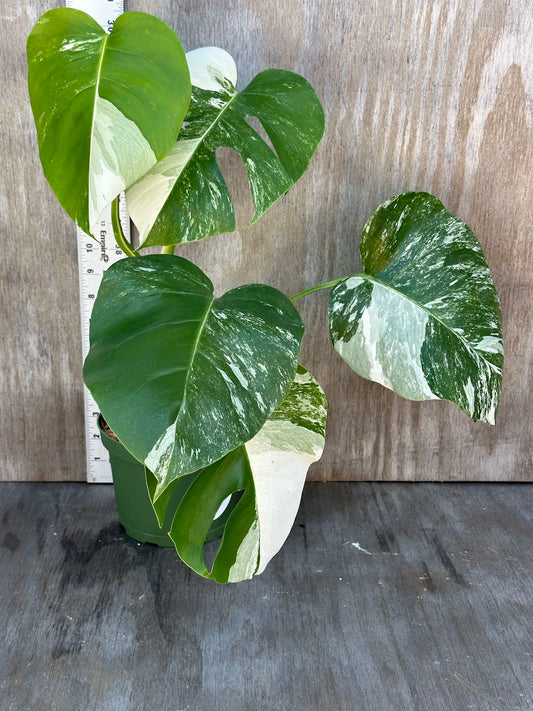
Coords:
pixel 121 460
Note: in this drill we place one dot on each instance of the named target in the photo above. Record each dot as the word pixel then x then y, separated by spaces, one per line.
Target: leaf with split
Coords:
pixel 184 197
pixel 270 471
pixel 424 317
pixel 106 107
pixel 182 377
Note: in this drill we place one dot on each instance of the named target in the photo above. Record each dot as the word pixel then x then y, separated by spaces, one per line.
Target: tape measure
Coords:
pixel 105 12
pixel 94 257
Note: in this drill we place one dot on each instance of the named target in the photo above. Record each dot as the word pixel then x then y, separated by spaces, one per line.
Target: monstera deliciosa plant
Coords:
pixel 212 386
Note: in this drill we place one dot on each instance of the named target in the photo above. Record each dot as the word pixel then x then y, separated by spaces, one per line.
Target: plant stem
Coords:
pixel 168 249
pixel 327 285
pixel 120 237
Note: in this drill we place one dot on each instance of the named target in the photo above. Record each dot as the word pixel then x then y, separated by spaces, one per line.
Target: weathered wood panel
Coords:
pixel 386 597
pixel 435 96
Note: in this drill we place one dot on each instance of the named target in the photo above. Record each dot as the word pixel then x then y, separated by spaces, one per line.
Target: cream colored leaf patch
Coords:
pixel 119 156
pixel 280 456
pixel 211 68
pixel 386 346
pixel 147 197
pixel 270 471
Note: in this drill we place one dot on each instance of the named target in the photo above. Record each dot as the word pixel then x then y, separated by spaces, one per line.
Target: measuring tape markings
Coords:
pixel 94 257
pixel 93 260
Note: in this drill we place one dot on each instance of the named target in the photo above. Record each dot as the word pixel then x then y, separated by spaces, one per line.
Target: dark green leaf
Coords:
pixel 182 377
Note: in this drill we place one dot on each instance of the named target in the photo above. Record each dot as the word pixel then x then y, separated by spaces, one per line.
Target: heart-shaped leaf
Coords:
pixel 424 318
pixel 182 377
pixel 184 197
pixel 270 472
pixel 106 107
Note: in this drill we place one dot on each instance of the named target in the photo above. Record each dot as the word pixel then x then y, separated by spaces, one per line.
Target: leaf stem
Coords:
pixel 120 237
pixel 168 249
pixel 327 285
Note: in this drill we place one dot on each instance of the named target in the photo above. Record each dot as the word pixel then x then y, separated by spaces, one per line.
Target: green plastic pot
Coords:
pixel 134 507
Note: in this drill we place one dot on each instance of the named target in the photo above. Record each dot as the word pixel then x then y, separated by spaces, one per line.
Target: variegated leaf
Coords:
pixel 424 318
pixel 184 197
pixel 106 107
pixel 270 471
pixel 180 376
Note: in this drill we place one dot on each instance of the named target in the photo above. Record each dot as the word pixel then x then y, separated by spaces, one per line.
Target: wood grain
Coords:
pixel 426 96
pixel 386 597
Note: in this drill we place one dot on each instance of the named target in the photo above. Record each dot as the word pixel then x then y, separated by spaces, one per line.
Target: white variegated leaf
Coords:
pixel 106 107
pixel 424 318
pixel 270 470
pixel 185 197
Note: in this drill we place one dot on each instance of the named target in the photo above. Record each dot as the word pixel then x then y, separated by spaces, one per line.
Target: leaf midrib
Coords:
pixel 194 351
pixel 105 39
pixel 477 354
pixel 200 141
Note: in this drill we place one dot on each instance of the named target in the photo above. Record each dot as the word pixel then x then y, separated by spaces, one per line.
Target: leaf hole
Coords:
pixel 256 124
pixel 232 168
pixel 223 506
pixel 210 551
pixel 213 539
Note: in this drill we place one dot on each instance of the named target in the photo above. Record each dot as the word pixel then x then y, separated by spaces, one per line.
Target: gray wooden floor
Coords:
pixel 385 597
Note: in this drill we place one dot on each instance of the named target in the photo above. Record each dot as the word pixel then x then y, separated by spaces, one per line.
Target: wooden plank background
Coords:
pixel 419 95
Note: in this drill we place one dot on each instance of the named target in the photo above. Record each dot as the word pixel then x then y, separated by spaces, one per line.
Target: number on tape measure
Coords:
pixel 94 257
